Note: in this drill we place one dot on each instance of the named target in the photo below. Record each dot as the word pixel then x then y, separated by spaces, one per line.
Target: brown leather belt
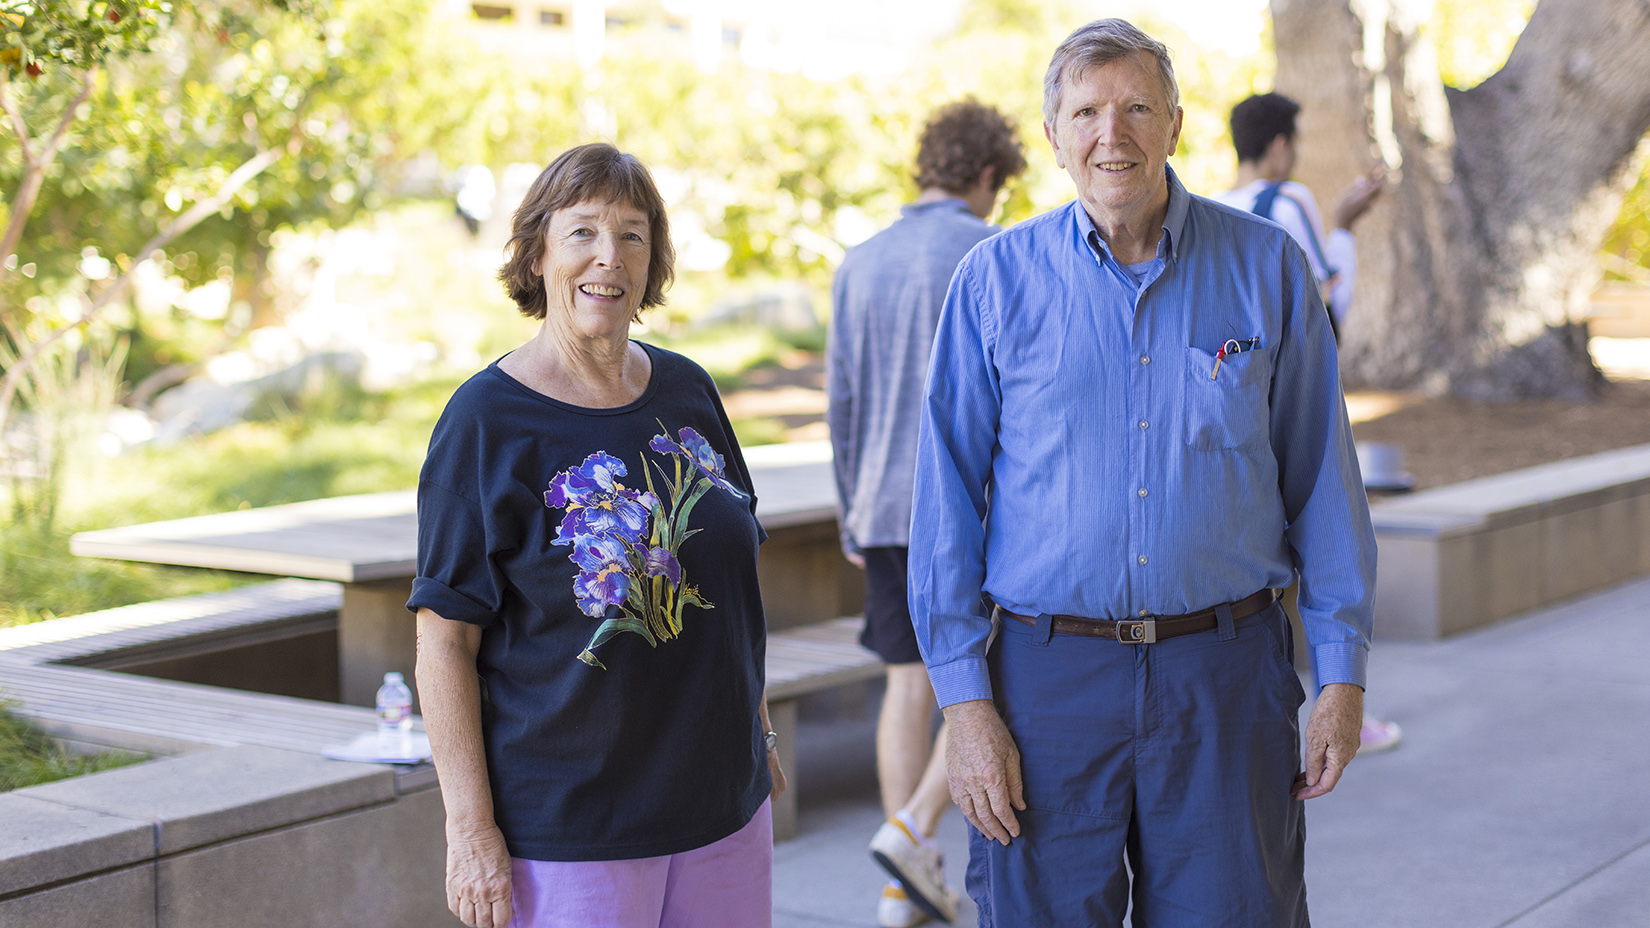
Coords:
pixel 1148 629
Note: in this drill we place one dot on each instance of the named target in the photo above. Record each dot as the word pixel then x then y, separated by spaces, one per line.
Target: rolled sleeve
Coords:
pixel 456 577
pixel 958 434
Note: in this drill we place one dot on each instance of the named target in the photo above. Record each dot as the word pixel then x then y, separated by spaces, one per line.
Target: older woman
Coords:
pixel 590 636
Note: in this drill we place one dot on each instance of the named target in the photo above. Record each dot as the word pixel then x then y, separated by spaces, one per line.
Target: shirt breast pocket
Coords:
pixel 1231 409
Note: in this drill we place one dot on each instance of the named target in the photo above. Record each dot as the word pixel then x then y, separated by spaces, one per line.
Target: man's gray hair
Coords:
pixel 1095 44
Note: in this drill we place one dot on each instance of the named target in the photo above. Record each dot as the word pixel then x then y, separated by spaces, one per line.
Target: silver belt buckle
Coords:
pixel 1137 631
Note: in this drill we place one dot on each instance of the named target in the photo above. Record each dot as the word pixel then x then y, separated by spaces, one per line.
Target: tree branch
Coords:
pixel 35 165
pixel 233 183
pixel 17 124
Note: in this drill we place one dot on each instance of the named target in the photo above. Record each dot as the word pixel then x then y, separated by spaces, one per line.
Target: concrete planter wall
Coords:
pixel 249 836
pixel 1473 553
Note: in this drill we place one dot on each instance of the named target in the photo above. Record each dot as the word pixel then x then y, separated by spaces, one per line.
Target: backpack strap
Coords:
pixel 1268 196
pixel 1263 208
pixel 1312 236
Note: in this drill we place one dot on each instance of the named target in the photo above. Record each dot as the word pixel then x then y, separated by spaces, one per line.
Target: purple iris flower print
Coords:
pixel 596 590
pixel 698 451
pixel 596 503
pixel 595 553
pixel 661 563
pixel 625 541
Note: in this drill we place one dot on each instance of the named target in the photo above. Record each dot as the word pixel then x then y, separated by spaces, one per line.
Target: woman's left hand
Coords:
pixel 778 774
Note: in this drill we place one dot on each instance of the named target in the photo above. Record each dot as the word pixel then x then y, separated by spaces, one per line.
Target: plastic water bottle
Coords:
pixel 394 710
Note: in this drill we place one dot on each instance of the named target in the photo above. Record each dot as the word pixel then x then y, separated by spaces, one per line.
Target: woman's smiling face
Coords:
pixel 595 266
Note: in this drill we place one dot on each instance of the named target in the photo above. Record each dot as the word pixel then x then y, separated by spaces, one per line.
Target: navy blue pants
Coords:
pixel 1172 762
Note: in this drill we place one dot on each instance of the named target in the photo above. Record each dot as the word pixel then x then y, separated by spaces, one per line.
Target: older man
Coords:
pixel 1132 434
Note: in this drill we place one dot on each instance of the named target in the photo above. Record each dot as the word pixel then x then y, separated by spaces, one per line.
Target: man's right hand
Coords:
pixel 982 766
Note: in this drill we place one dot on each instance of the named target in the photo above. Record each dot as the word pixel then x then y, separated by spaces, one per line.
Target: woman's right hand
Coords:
pixel 478 877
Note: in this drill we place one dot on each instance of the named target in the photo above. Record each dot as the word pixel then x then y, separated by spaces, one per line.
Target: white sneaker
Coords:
pixel 895 910
pixel 921 870
pixel 1376 736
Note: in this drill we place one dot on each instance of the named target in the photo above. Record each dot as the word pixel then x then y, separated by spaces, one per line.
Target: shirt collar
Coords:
pixel 949 203
pixel 1173 222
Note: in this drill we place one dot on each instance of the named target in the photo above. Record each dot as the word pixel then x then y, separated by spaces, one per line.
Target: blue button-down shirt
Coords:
pixel 1080 453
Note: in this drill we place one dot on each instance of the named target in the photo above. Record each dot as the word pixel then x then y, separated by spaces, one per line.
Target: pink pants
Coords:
pixel 728 884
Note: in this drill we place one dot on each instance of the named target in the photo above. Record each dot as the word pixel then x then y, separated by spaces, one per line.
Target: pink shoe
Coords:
pixel 1377 736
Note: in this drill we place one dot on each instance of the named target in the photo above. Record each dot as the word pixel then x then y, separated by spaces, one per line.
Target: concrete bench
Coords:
pixel 802 660
pixel 1469 554
pixel 279 638
pixel 250 638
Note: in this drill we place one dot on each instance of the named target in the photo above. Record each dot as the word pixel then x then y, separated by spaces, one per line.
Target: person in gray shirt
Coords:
pixel 886 305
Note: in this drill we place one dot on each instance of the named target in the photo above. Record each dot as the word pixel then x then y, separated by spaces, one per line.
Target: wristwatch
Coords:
pixel 771 739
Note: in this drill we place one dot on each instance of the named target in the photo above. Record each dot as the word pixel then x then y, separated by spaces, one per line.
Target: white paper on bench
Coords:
pixel 379 748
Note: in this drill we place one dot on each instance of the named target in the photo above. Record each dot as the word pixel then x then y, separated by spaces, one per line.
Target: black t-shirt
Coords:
pixel 609 556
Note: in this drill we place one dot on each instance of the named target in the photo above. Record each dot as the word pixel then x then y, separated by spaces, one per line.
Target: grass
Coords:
pixel 334 444
pixel 29 756
pixel 727 353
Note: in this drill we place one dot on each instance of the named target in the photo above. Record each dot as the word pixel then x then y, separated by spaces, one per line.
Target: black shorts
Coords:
pixel 888 628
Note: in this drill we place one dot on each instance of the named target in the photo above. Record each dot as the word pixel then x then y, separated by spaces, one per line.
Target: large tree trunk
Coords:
pixel 1475 267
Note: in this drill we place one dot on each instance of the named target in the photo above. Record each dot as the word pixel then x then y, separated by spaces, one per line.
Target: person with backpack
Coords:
pixel 1263 132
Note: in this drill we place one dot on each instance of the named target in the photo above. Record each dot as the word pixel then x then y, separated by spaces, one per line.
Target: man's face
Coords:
pixel 1113 133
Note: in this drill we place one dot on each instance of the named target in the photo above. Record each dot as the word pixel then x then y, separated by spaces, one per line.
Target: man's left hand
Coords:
pixel 1331 738
pixel 1356 199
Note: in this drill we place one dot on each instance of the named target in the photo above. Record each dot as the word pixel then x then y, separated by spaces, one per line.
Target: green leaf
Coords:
pixel 610 629
pixel 679 523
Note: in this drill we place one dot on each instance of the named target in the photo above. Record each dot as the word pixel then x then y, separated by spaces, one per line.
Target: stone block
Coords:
pixel 1592 548
pixel 382 866
pixel 122 899
pixel 1637 544
pixel 45 842
pixel 376 634
pixel 1461 597
pixel 804 577
pixel 1507 571
pixel 1407 601
pixel 782 716
pixel 216 795
pixel 301 666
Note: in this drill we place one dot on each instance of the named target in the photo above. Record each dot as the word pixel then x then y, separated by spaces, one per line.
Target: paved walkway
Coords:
pixel 1519 799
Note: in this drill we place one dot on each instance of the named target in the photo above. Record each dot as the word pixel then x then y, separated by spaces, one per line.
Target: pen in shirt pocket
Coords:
pixel 1233 346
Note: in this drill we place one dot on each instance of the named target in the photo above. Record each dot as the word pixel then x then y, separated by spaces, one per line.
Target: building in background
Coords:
pixel 824 42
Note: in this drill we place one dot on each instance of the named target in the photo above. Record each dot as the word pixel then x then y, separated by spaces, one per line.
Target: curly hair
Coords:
pixel 600 172
pixel 961 140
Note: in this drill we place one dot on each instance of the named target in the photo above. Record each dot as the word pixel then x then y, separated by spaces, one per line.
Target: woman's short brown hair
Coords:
pixel 598 172
pixel 961 140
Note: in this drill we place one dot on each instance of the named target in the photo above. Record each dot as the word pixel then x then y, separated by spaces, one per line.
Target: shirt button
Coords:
pixel 1142 492
pixel 1144 424
pixel 1141 559
pixel 1145 359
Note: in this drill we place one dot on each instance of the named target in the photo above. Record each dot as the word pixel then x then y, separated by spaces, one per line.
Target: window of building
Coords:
pixel 492 12
pixel 552 18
